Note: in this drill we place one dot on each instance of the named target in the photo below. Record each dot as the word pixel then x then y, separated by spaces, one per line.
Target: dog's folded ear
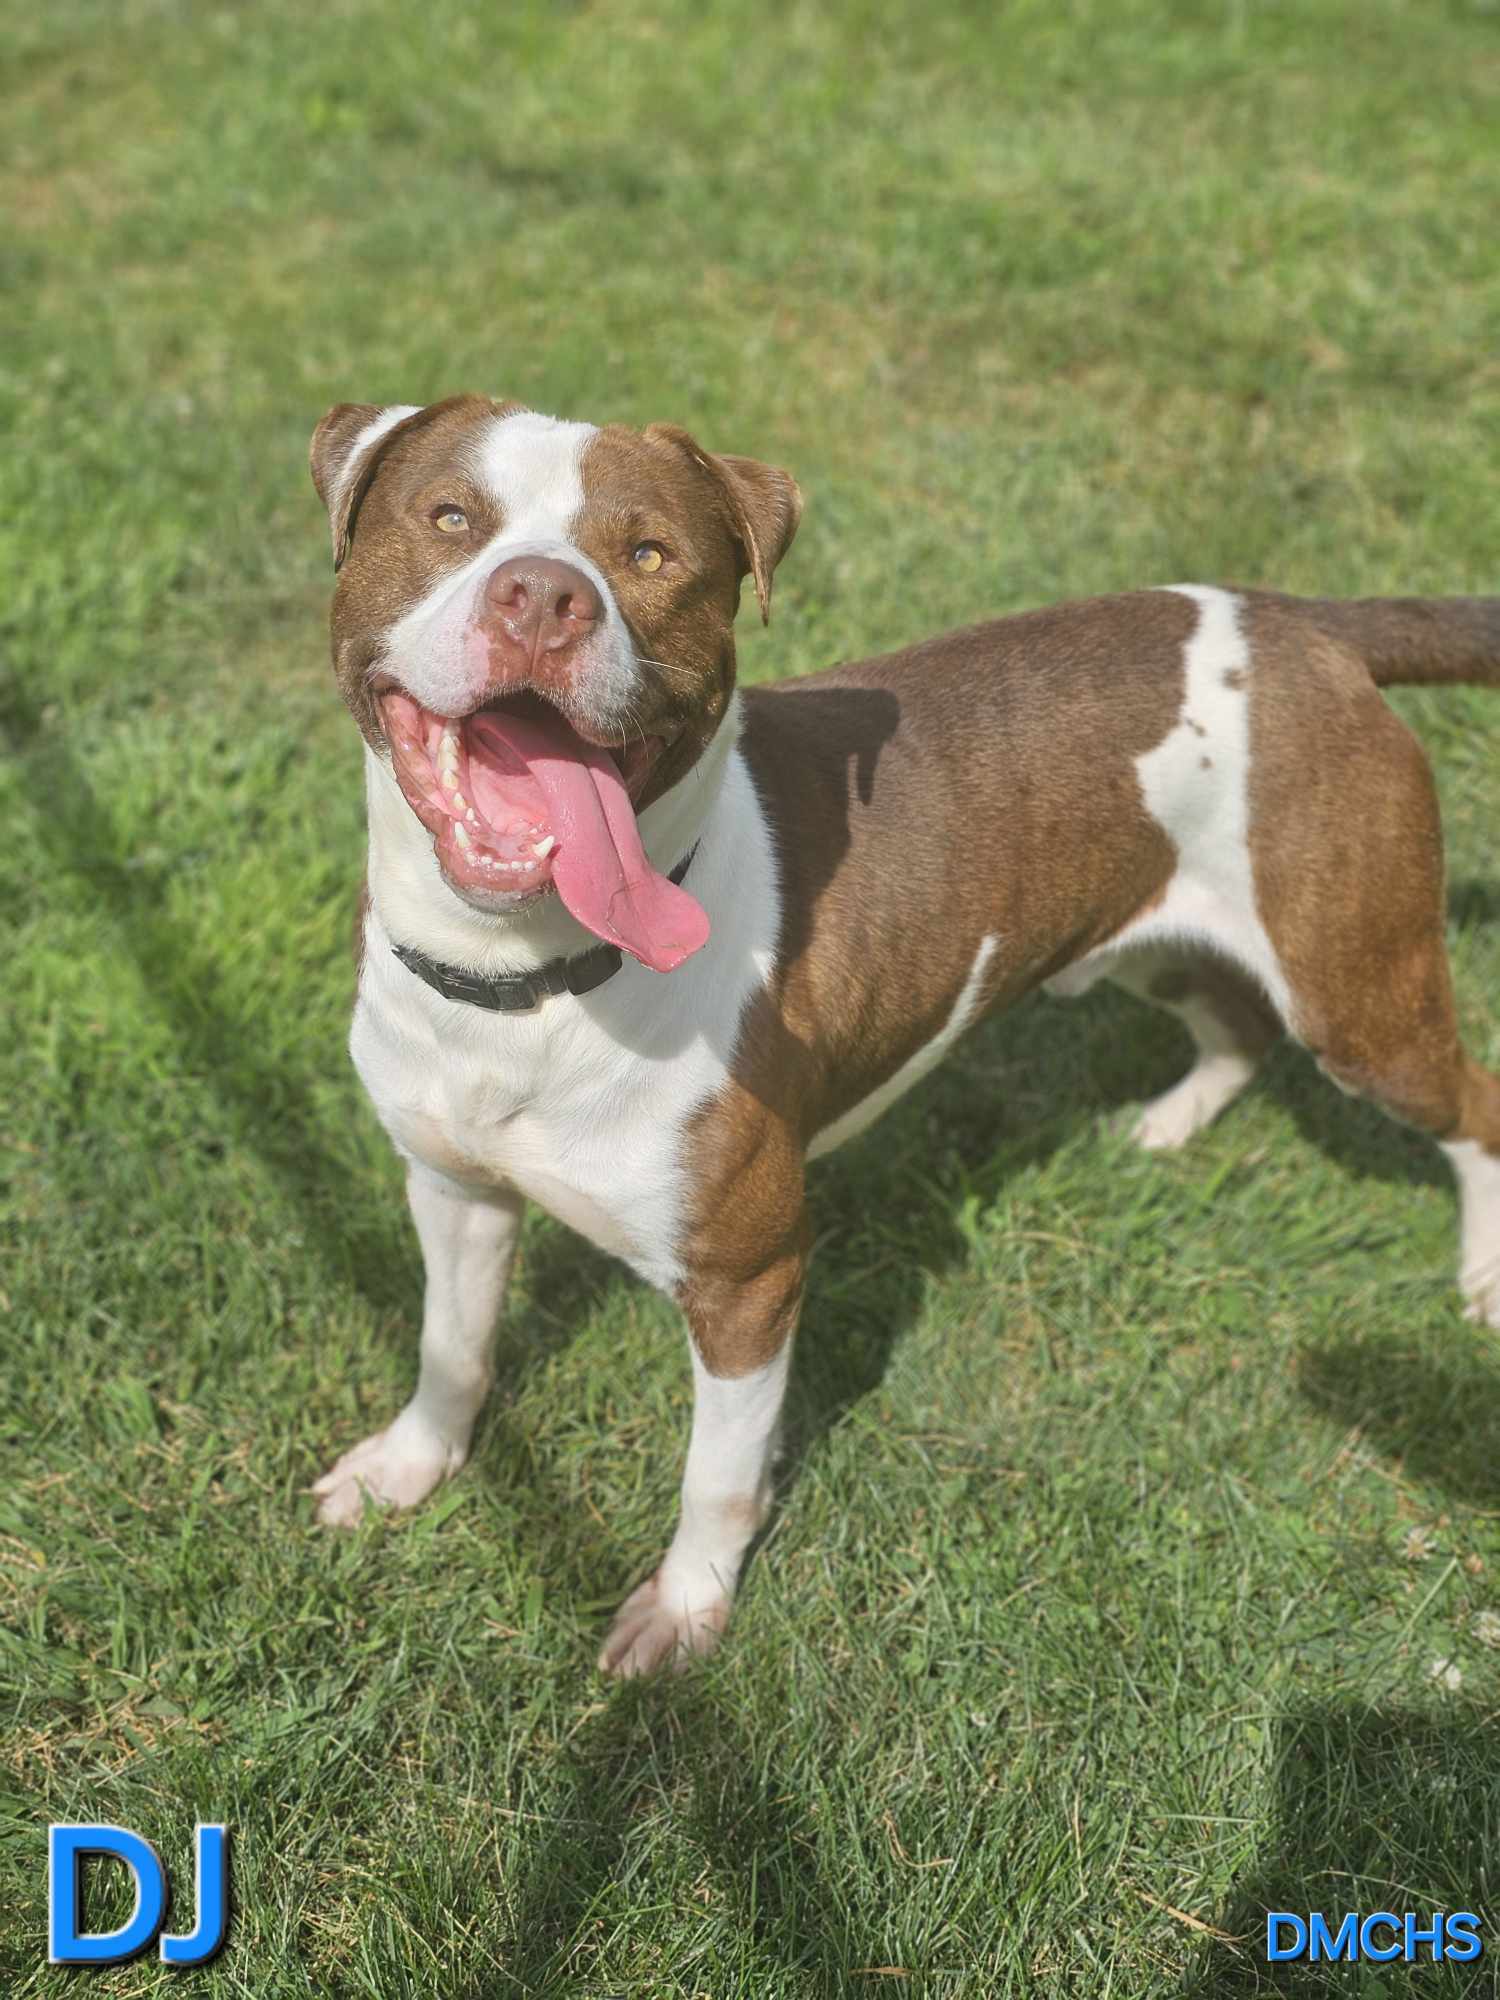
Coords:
pixel 768 503
pixel 763 502
pixel 346 449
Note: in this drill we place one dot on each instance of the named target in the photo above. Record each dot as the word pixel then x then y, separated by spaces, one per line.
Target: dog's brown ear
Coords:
pixel 346 449
pixel 768 506
pixel 764 505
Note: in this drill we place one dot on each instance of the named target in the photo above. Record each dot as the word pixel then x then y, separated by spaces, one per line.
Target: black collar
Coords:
pixel 519 992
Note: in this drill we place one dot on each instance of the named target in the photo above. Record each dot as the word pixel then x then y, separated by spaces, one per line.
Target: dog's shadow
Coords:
pixel 1473 901
pixel 1374 1809
pixel 263 1107
pixel 1436 1418
pixel 665 1757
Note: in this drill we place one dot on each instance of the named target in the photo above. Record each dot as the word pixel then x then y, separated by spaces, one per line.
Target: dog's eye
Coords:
pixel 450 520
pixel 648 556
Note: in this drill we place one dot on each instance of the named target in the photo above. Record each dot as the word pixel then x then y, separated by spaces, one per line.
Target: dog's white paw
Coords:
pixel 1170 1120
pixel 661 1625
pixel 396 1468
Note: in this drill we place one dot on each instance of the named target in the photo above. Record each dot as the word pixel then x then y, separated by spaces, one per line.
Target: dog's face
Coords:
pixel 533 623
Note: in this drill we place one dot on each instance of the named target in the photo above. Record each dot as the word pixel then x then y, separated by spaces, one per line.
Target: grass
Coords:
pixel 1130 1505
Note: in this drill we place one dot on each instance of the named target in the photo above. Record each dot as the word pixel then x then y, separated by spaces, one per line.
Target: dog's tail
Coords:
pixel 1415 641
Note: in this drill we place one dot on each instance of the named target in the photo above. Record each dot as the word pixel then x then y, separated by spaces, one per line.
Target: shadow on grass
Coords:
pixel 665 1750
pixel 264 1105
pixel 1356 1135
pixel 1437 1417
pixel 1376 1809
pixel 565 1277
pixel 1021 1088
pixel 1472 901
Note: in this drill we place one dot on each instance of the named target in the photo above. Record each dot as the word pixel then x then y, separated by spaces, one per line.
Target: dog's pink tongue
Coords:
pixel 600 868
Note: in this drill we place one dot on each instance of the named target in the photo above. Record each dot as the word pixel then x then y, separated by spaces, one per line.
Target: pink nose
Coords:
pixel 539 606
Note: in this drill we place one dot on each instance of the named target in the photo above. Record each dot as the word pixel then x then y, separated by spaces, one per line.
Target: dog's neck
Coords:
pixel 416 907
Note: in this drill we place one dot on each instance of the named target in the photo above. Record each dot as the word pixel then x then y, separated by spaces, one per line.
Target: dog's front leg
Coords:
pixel 741 1347
pixel 468 1240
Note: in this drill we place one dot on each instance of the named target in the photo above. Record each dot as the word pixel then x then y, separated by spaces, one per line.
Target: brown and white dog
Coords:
pixel 1195 792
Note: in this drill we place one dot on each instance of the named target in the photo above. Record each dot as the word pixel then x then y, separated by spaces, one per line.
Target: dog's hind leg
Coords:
pixel 1476 1163
pixel 1372 997
pixel 1409 1060
pixel 1231 1022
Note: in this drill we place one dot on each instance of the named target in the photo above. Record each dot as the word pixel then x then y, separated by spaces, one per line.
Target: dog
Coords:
pixel 637 946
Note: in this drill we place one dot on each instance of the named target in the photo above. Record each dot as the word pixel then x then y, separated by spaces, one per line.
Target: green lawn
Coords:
pixel 1130 1506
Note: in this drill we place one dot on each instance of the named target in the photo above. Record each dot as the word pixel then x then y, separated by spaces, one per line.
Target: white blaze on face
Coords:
pixel 532 467
pixel 521 799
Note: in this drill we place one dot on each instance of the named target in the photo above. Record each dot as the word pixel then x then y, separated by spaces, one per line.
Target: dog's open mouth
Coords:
pixel 518 803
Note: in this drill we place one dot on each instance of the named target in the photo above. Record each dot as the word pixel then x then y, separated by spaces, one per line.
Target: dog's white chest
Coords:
pixel 584 1105
pixel 550 1104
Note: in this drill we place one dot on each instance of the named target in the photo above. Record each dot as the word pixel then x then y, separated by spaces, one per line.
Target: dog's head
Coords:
pixel 533 624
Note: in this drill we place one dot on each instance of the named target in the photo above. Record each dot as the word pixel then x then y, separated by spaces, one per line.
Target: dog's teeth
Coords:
pixel 472 817
pixel 460 803
pixel 544 847
pixel 460 835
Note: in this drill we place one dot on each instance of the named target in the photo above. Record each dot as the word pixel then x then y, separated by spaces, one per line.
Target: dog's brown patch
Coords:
pixel 982 784
pixel 1346 845
pixel 718 520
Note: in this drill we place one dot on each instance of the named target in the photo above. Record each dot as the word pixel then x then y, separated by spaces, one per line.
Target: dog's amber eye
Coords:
pixel 648 556
pixel 451 520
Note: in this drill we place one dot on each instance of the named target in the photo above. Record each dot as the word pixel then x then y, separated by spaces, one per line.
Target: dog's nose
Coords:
pixel 540 605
